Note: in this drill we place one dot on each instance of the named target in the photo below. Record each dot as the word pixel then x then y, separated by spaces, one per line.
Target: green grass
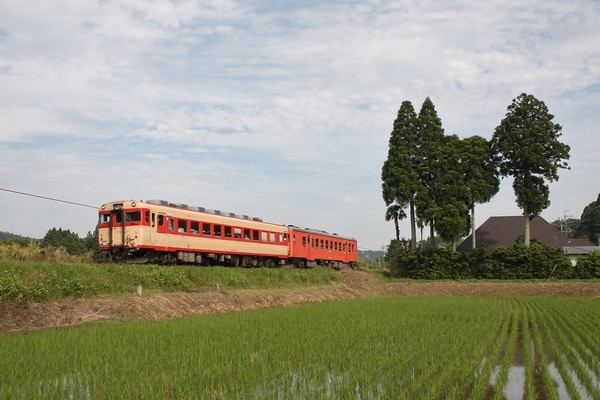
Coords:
pixel 22 281
pixel 399 347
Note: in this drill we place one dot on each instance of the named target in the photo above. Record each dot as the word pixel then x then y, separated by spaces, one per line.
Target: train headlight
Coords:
pixel 133 204
pixel 103 207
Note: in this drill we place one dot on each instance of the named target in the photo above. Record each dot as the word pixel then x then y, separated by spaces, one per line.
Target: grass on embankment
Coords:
pixel 22 281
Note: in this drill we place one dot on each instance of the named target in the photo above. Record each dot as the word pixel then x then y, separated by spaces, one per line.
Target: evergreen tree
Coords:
pixel 399 171
pixel 527 148
pixel 91 243
pixel 589 226
pixel 430 136
pixel 64 238
pixel 479 173
pixel 448 208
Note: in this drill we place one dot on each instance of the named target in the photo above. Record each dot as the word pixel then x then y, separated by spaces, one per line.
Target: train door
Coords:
pixel 310 242
pixel 161 230
pixel 117 228
pixel 152 228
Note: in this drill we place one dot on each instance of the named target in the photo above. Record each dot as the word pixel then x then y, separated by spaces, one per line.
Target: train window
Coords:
pixel 247 234
pixel 327 244
pixel 119 217
pixel 303 241
pixel 206 229
pixel 227 231
pixel 133 216
pixel 263 236
pixel 321 243
pixel 171 224
pixel 312 243
pixel 218 230
pixel 255 236
pixel 153 219
pixel 147 217
pixel 237 233
pixel 335 246
pixel 104 218
pixel 285 237
pixel 271 237
pixel 161 220
pixel 195 227
pixel 182 226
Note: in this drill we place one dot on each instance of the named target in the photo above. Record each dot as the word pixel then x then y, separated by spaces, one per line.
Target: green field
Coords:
pixel 400 347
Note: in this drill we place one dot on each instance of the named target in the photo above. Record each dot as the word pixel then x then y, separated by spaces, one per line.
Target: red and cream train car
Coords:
pixel 161 232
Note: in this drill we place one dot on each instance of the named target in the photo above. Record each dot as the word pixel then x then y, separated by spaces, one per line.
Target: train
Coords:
pixel 157 231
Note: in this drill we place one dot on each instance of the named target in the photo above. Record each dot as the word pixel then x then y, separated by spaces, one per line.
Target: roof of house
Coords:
pixel 579 250
pixel 504 231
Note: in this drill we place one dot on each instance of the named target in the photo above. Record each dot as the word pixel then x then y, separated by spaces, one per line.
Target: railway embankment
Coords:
pixel 350 284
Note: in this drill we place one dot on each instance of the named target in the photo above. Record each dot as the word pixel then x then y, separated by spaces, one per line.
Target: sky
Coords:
pixel 276 109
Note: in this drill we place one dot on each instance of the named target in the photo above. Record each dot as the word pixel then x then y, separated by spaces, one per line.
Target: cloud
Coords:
pixel 282 109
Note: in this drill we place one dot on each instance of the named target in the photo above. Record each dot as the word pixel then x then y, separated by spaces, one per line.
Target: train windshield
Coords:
pixel 133 216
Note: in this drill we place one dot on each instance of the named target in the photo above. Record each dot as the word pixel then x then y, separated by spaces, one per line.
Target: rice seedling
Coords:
pixel 398 347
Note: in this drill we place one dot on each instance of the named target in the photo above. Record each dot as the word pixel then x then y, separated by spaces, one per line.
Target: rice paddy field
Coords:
pixel 380 348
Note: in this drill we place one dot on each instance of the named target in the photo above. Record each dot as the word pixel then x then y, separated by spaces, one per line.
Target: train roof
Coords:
pixel 319 232
pixel 203 209
pixel 185 207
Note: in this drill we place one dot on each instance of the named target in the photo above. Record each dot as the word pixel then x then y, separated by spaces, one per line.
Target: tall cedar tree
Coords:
pixel 527 148
pixel 430 135
pixel 399 171
pixel 449 209
pixel 479 173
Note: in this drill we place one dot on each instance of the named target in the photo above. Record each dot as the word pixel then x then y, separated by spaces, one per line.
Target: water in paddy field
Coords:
pixel 514 389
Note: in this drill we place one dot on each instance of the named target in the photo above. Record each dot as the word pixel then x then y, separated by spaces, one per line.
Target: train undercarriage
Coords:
pixel 143 256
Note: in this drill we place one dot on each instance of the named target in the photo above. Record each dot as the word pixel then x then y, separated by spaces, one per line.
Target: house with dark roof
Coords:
pixel 504 231
pixel 576 252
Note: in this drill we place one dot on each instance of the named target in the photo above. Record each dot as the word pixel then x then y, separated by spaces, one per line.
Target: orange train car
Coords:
pixel 310 247
pixel 157 231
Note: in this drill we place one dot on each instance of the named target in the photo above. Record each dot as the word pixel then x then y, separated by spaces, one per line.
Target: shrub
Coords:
pixel 589 267
pixel 429 264
pixel 538 261
pixel 12 288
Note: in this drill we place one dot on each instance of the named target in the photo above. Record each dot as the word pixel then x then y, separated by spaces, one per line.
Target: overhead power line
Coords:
pixel 48 198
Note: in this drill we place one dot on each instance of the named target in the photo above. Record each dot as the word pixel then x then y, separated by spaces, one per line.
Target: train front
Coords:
pixel 122 229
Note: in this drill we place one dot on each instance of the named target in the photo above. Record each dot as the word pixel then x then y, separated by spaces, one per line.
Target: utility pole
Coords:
pixel 564 223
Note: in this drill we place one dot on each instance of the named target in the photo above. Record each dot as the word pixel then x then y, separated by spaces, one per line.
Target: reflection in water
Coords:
pixel 515 385
pixel 560 385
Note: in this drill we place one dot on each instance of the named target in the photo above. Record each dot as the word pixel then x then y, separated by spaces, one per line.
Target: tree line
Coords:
pixel 440 178
pixel 56 238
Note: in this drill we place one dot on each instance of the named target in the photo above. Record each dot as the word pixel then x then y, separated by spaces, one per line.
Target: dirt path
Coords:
pixel 351 285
